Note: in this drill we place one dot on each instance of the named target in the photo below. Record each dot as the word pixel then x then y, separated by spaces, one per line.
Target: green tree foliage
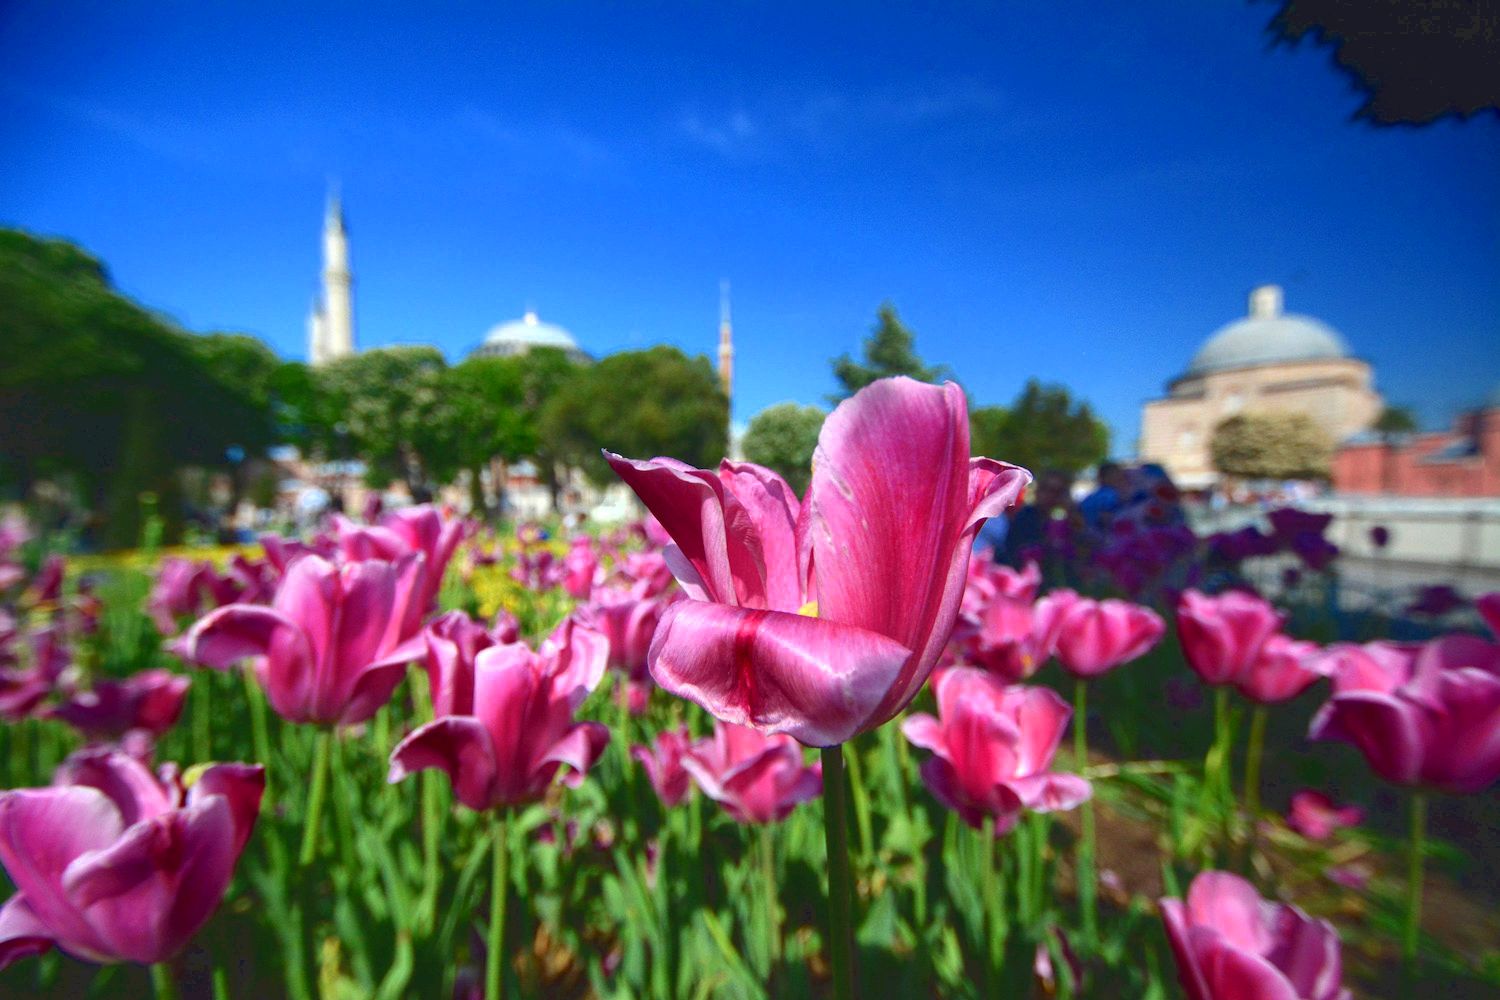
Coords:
pixel 1045 428
pixel 782 438
pixel 641 404
pixel 484 417
pixel 99 392
pixel 1271 446
pixel 393 413
pixel 1394 421
pixel 889 350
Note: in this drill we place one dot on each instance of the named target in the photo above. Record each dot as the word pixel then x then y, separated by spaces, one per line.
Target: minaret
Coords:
pixel 317 340
pixel 726 345
pixel 338 299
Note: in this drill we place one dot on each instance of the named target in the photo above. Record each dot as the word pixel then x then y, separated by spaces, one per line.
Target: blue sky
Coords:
pixel 1081 198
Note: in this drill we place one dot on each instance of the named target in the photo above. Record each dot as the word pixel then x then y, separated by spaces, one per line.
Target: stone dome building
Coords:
pixel 507 340
pixel 1268 361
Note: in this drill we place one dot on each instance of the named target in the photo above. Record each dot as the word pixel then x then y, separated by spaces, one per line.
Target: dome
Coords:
pixel 520 335
pixel 1267 336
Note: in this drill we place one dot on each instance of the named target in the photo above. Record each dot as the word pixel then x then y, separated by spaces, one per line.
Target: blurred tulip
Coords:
pixel 1283 670
pixel 988 580
pixel 755 777
pixel 992 747
pixel 1232 945
pixel 452 642
pixel 1314 815
pixel 330 648
pixel 1010 638
pixel 1488 606
pixel 878 551
pixel 1426 716
pixel 413 529
pixel 1436 600
pixel 1222 637
pixel 662 761
pixel 1380 536
pixel 521 731
pixel 1289 524
pixel 150 700
pixel 116 864
pixel 1096 636
pixel 581 564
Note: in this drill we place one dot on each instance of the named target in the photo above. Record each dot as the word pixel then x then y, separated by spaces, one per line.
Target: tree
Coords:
pixel 485 418
pixel 1044 428
pixel 641 404
pixel 391 406
pixel 1271 446
pixel 1414 62
pixel 890 349
pixel 782 438
pixel 1394 421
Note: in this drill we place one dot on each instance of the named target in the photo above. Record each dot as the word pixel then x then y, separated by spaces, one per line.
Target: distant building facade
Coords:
pixel 1270 361
pixel 516 337
pixel 1461 462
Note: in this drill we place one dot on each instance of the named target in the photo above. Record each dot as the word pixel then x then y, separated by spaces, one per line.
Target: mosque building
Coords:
pixel 1270 361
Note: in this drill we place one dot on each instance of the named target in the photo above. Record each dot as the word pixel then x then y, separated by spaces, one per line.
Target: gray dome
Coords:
pixel 520 335
pixel 1267 336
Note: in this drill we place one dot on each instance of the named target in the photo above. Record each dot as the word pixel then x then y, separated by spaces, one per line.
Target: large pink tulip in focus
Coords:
pixel 876 554
pixel 755 777
pixel 452 642
pixel 992 746
pixel 1232 945
pixel 521 731
pixel 663 764
pixel 413 529
pixel 331 646
pixel 1096 636
pixel 1222 636
pixel 1425 715
pixel 115 864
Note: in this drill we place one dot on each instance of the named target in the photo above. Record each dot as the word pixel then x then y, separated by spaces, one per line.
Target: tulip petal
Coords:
pixel 781 673
pixel 242 786
pixel 1307 953
pixel 22 934
pixel 1180 936
pixel 773 508
pixel 923 731
pixel 1232 907
pixel 459 746
pixel 225 636
pixel 1051 791
pixel 579 749
pixel 1231 973
pixel 1391 733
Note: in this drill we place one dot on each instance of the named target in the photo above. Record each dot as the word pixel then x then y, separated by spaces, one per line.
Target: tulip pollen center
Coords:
pixel 809 610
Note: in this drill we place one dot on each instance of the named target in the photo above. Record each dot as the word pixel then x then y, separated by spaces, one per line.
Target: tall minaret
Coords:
pixel 338 299
pixel 726 345
pixel 317 340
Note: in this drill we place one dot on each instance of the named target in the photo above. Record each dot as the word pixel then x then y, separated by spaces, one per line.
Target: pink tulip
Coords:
pixel 414 529
pixel 1488 606
pixel 755 777
pixel 1284 669
pixel 581 564
pixel 521 731
pixel 1436 600
pixel 1232 945
pixel 115 864
pixel 150 701
pixel 663 764
pixel 992 745
pixel 1222 636
pixel 1314 815
pixel 452 642
pixel 332 645
pixel 1289 523
pixel 1425 715
pixel 988 580
pixel 1096 636
pixel 880 546
pixel 1010 638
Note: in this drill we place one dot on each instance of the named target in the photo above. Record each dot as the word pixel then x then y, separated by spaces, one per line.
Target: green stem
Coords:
pixel 1414 881
pixel 1253 753
pixel 1088 905
pixel 432 813
pixel 162 983
pixel 342 813
pixel 202 713
pixel 840 889
pixel 221 983
pixel 1223 778
pixel 259 734
pixel 494 961
pixel 315 798
pixel 768 886
pixel 861 798
pixel 989 926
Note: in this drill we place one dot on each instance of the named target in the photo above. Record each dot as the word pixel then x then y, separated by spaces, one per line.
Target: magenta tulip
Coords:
pixel 756 778
pixel 414 529
pixel 988 580
pixel 992 747
pixel 115 864
pixel 1222 636
pixel 1283 670
pixel 150 701
pixel 663 761
pixel 1315 816
pixel 581 564
pixel 332 645
pixel 877 552
pixel 452 642
pixel 521 731
pixel 1010 638
pixel 1232 945
pixel 1488 606
pixel 1425 715
pixel 1096 636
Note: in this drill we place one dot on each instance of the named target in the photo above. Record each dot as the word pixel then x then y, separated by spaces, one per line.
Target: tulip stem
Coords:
pixel 259 734
pixel 315 797
pixel 1253 752
pixel 840 889
pixel 1087 890
pixel 768 885
pixel 990 924
pixel 494 960
pixel 1414 881
pixel 162 983
pixel 202 711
